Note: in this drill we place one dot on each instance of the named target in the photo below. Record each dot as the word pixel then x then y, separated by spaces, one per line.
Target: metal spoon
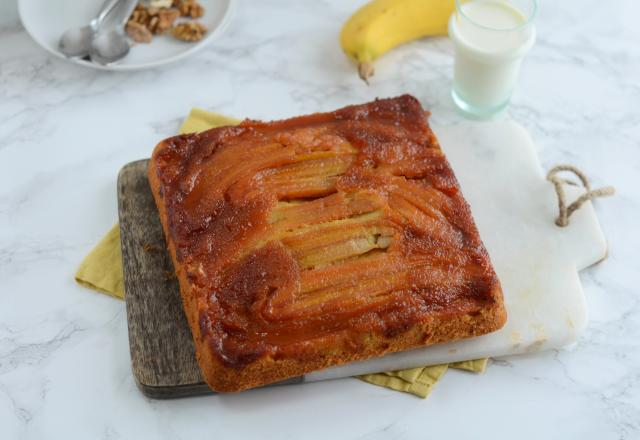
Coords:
pixel 76 42
pixel 111 45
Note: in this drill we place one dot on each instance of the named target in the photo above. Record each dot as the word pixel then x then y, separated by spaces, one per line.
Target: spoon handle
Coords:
pixel 107 7
pixel 125 9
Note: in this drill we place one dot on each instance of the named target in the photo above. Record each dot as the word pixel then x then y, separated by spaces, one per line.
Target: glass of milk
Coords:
pixel 490 37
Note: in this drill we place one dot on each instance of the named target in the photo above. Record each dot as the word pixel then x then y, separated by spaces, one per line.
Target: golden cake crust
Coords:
pixel 320 240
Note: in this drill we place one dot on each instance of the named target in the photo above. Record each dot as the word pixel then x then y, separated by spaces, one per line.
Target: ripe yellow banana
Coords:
pixel 381 25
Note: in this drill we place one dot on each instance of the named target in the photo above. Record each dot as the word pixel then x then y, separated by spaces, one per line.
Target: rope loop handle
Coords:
pixel 558 183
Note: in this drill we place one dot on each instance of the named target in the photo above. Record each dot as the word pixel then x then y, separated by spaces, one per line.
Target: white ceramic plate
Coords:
pixel 46 20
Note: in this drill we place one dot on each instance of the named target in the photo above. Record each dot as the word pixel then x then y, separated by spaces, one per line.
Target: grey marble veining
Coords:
pixel 65 131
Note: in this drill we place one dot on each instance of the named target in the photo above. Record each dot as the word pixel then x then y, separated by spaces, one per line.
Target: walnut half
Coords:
pixel 189 31
pixel 138 32
pixel 162 20
pixel 189 8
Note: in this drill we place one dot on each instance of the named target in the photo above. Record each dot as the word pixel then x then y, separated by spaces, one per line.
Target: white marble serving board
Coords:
pixel 514 207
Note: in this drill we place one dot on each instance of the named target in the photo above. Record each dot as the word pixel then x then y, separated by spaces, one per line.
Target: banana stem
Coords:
pixel 365 71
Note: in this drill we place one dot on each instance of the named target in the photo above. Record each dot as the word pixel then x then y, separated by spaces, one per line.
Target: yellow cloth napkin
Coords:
pixel 101 270
pixel 420 381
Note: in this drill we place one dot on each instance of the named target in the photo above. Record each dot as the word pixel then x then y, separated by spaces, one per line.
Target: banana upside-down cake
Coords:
pixel 319 240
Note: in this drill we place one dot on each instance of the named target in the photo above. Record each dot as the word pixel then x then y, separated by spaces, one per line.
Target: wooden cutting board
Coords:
pixel 514 208
pixel 162 353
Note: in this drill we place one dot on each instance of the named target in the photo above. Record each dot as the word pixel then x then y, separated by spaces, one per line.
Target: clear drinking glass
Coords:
pixel 491 37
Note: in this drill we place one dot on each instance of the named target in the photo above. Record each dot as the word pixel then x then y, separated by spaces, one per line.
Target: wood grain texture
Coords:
pixel 162 352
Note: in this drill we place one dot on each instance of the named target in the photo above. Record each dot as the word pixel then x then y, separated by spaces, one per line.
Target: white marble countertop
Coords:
pixel 65 131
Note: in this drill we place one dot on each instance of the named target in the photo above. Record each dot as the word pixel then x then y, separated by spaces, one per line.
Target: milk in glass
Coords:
pixel 491 37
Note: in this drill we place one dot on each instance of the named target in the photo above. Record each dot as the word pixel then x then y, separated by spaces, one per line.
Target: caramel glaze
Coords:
pixel 320 230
